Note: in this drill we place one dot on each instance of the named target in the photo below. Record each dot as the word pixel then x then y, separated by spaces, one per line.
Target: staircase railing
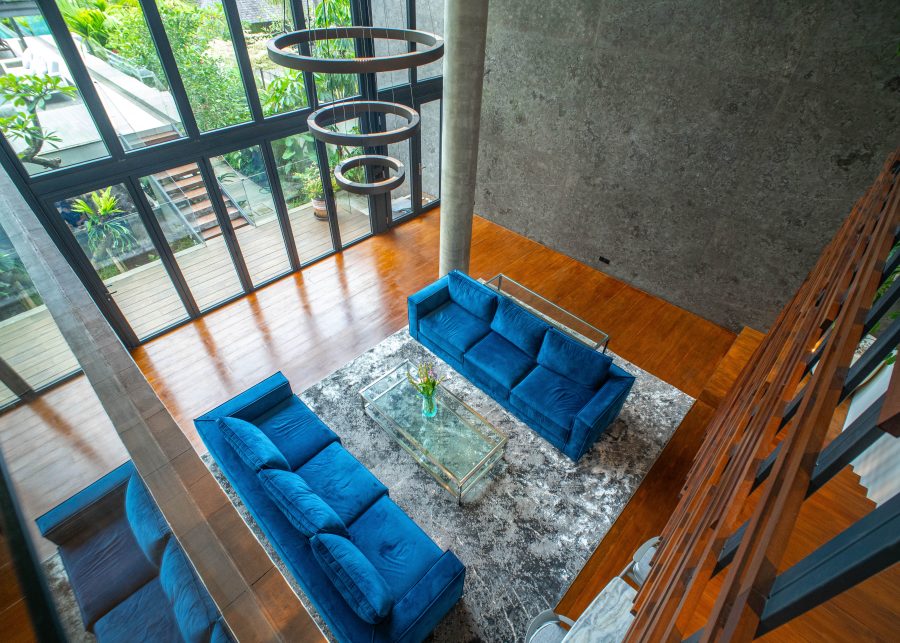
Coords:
pixel 771 444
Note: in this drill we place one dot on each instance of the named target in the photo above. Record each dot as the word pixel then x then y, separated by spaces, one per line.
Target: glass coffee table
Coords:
pixel 457 446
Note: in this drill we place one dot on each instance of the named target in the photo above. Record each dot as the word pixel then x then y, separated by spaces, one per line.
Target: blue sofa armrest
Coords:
pixel 254 401
pixel 418 612
pixel 600 411
pixel 96 499
pixel 427 300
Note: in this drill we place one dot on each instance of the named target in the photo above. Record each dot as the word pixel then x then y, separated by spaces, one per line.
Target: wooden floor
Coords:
pixel 649 509
pixel 33 346
pixel 311 323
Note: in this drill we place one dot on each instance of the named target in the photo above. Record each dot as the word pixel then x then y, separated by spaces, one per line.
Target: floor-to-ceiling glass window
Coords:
pixel 245 188
pixel 120 56
pixel 30 342
pixel 183 207
pixel 332 13
pixel 301 186
pixel 280 89
pixel 352 209
pixel 430 17
pixel 174 156
pixel 107 227
pixel 204 52
pixel 42 113
pixel 431 151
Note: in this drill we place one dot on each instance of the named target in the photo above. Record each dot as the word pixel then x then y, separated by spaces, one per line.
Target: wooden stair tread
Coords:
pixel 730 366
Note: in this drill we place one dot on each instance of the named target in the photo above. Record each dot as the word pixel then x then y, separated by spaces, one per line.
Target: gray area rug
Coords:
pixel 528 529
pixel 64 597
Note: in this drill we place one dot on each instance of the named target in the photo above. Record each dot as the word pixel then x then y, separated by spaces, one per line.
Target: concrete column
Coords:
pixel 254 598
pixel 465 32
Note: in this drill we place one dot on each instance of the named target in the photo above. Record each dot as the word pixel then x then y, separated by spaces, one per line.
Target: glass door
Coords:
pixel 108 229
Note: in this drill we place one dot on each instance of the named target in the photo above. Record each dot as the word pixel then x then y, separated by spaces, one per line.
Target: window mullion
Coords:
pixel 243 58
pixel 170 67
pixel 75 64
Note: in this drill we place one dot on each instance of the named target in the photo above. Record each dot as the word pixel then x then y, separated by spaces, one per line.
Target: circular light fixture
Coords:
pixel 432 49
pixel 371 160
pixel 340 112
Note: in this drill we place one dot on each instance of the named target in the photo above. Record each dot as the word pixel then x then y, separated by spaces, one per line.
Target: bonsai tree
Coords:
pixel 108 235
pixel 31 92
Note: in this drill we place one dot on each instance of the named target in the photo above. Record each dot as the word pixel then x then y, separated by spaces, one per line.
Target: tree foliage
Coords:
pixel 30 93
pixel 109 235
pixel 196 34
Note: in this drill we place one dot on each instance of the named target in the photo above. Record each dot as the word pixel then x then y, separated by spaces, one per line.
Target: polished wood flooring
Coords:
pixel 311 323
pixel 648 511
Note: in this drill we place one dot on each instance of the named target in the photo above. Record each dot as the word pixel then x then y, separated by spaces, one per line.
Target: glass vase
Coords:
pixel 429 405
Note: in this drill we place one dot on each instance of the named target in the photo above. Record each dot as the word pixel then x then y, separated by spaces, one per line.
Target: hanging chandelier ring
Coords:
pixel 432 48
pixel 320 119
pixel 372 160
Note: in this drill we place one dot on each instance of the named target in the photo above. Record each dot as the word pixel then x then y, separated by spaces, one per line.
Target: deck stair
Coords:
pixel 186 189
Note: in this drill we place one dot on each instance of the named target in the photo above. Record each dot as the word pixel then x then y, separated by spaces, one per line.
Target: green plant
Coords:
pixel 201 43
pixel 108 234
pixel 311 183
pixel 88 19
pixel 30 92
pixel 334 13
pixel 14 279
pixel 284 93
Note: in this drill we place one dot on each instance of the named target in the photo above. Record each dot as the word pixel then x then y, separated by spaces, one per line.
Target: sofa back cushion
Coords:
pixel 519 326
pixel 357 580
pixel 473 296
pixel 252 446
pixel 195 611
pixel 573 360
pixel 305 510
pixel 149 527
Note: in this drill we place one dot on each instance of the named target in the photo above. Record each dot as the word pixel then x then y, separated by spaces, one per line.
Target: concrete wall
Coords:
pixel 708 149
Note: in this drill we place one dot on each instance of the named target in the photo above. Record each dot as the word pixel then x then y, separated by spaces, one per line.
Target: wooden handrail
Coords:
pixel 778 402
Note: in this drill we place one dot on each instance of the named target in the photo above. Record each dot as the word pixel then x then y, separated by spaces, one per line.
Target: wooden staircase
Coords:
pixel 184 186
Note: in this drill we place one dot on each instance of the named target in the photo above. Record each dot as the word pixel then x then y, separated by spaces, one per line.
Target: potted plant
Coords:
pixel 108 234
pixel 312 186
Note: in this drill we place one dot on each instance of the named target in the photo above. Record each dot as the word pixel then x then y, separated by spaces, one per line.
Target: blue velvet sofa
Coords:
pixel 370 571
pixel 130 577
pixel 559 387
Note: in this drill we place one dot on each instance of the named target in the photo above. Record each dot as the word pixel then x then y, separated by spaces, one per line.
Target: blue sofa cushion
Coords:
pixel 105 563
pixel 453 328
pixel 297 432
pixel 364 589
pixel 220 633
pixel 253 447
pixel 520 327
pixel 349 487
pixel 496 359
pixel 394 544
pixel 150 528
pixel 574 360
pixel 550 397
pixel 306 511
pixel 144 616
pixel 477 299
pixel 195 611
